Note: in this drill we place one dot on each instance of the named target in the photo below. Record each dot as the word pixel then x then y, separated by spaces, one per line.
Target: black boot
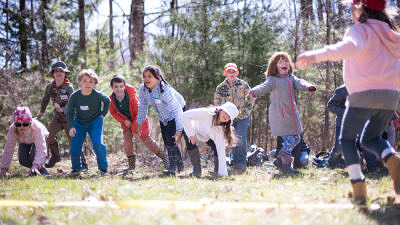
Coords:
pixel 179 162
pixel 172 158
pixel 194 156
pixel 52 161
pixel 216 164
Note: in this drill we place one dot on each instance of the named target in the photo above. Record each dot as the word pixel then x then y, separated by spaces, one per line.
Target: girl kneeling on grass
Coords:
pixel 213 126
pixel 31 136
pixel 371 51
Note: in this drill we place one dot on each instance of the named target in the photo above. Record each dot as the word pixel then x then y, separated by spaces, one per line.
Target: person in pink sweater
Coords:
pixel 371 52
pixel 31 136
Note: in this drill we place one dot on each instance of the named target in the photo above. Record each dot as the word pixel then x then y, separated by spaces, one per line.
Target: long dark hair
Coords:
pixel 157 73
pixel 229 131
pixel 383 16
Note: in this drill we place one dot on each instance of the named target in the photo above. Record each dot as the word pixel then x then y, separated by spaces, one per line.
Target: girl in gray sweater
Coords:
pixel 283 116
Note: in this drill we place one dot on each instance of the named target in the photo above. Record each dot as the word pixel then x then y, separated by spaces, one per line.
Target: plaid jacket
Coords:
pixel 167 104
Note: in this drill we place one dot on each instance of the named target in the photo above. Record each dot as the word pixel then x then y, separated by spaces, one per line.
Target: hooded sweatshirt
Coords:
pixel 371 67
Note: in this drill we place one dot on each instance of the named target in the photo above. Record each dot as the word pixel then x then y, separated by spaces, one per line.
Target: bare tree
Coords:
pixel 306 17
pixel 22 35
pixel 82 34
pixel 7 28
pixel 111 25
pixel 326 132
pixel 43 33
pixel 136 29
pixel 35 38
pixel 173 6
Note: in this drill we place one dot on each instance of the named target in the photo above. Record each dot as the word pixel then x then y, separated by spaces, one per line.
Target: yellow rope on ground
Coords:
pixel 179 205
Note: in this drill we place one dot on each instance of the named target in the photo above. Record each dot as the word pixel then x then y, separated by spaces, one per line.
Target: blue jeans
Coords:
pixel 239 152
pixel 371 124
pixel 95 130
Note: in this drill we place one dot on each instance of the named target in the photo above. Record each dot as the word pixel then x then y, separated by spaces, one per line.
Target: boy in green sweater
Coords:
pixel 86 110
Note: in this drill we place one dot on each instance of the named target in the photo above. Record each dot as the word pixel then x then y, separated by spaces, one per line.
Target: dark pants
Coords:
pixel 371 123
pixel 26 154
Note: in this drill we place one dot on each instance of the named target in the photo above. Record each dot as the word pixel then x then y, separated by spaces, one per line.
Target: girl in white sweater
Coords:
pixel 212 124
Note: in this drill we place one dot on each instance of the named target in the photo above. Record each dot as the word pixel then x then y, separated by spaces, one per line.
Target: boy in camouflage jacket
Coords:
pixel 235 90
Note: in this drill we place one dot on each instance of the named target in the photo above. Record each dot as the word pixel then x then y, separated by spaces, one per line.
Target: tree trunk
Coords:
pixel 173 6
pixel 136 29
pixel 35 38
pixel 327 79
pixel 296 35
pixel 304 15
pixel 111 26
pixel 320 10
pixel 22 35
pixel 7 27
pixel 43 33
pixel 82 34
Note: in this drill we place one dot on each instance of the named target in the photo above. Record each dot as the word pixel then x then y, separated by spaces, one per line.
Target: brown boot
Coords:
pixel 163 158
pixel 393 165
pixel 359 192
pixel 131 162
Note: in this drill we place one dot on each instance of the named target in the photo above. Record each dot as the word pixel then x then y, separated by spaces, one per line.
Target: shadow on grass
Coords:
pixel 287 175
pixel 378 175
pixel 388 214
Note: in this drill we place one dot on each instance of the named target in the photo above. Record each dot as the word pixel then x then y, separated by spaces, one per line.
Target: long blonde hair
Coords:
pixel 229 131
pixel 272 69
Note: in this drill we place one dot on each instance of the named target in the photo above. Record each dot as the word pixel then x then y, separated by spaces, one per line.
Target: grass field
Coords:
pixel 261 196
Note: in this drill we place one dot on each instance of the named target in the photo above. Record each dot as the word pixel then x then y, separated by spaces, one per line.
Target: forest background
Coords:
pixel 190 40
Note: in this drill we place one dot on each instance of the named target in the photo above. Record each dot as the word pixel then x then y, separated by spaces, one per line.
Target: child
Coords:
pixel 85 114
pixel 169 104
pixel 59 92
pixel 213 126
pixel 371 68
pixel 31 136
pixel 283 115
pixel 235 90
pixel 124 108
pixel 337 106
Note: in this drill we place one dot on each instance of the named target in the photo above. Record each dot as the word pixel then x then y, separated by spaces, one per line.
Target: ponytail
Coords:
pixel 157 73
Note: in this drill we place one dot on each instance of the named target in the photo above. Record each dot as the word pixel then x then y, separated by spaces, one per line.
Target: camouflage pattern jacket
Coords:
pixel 237 95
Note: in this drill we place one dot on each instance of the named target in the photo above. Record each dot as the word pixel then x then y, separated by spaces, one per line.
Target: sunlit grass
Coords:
pixel 263 185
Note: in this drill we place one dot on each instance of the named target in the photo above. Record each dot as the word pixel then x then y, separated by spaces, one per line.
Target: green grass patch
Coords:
pixel 261 185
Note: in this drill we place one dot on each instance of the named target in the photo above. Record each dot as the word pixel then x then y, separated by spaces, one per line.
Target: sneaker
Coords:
pixel 73 173
pixel 84 168
pixel 52 161
pixel 104 173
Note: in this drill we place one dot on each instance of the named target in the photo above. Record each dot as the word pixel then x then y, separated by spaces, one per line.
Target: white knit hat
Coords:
pixel 230 109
